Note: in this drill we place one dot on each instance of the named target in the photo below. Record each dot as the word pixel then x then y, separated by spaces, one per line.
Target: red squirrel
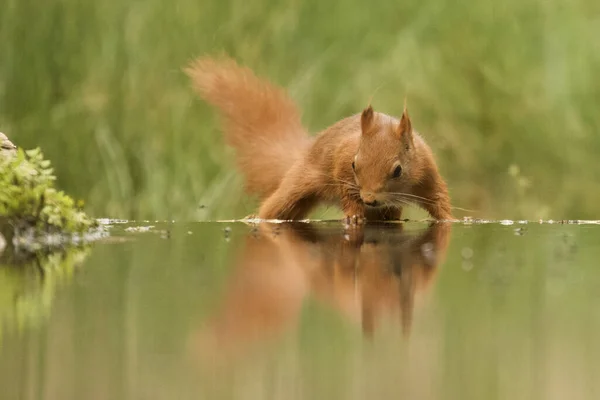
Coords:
pixel 371 164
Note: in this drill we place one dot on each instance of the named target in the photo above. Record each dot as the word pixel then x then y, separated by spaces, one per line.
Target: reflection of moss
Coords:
pixel 29 201
pixel 28 283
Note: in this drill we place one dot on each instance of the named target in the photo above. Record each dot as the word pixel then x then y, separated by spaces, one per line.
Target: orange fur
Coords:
pixel 292 172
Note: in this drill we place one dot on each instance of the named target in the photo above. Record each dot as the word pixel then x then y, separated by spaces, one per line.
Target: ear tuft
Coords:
pixel 404 130
pixel 405 126
pixel 366 119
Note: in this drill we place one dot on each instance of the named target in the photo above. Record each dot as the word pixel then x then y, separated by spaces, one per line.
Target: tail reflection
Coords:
pixel 369 274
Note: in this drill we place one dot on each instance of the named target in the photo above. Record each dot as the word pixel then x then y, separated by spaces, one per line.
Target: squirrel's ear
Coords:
pixel 366 119
pixel 404 130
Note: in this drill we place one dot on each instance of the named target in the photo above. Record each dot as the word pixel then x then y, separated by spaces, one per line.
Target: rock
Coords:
pixel 6 144
pixel 7 148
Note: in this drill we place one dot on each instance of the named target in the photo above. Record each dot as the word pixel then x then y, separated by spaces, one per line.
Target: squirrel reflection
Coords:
pixel 370 273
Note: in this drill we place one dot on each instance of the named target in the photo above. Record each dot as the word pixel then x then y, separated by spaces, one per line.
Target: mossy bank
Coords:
pixel 31 208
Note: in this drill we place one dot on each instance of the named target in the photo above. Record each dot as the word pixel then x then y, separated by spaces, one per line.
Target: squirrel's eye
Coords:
pixel 397 172
pixel 353 166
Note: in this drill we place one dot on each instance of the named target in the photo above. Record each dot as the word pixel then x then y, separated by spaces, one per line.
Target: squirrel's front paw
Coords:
pixel 354 220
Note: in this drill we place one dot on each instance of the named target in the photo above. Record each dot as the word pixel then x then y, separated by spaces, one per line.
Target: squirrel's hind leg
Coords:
pixel 294 198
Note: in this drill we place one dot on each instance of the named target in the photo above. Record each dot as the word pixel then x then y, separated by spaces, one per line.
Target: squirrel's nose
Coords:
pixel 368 199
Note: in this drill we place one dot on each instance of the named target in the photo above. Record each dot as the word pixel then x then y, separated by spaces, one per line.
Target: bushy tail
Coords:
pixel 259 120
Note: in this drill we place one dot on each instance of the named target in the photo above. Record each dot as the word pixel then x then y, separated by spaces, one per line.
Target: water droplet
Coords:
pixel 428 251
pixel 520 231
pixel 466 253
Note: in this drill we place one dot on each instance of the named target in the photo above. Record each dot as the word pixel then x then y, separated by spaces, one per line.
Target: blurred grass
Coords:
pixel 506 93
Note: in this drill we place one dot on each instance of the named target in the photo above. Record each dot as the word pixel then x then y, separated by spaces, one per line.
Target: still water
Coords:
pixel 307 311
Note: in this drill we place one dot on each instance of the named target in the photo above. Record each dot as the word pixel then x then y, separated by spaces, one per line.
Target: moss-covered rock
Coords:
pixel 30 205
pixel 41 235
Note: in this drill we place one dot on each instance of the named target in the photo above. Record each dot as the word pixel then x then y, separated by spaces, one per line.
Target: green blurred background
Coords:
pixel 507 94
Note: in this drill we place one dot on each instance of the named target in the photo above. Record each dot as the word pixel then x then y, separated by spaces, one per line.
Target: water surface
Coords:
pixel 309 311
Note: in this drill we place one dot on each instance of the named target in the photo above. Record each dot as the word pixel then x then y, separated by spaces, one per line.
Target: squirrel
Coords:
pixel 371 164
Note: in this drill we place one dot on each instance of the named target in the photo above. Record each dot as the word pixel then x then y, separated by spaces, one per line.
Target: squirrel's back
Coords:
pixel 259 119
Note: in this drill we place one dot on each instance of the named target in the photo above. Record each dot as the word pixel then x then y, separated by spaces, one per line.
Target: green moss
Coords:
pixel 29 202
